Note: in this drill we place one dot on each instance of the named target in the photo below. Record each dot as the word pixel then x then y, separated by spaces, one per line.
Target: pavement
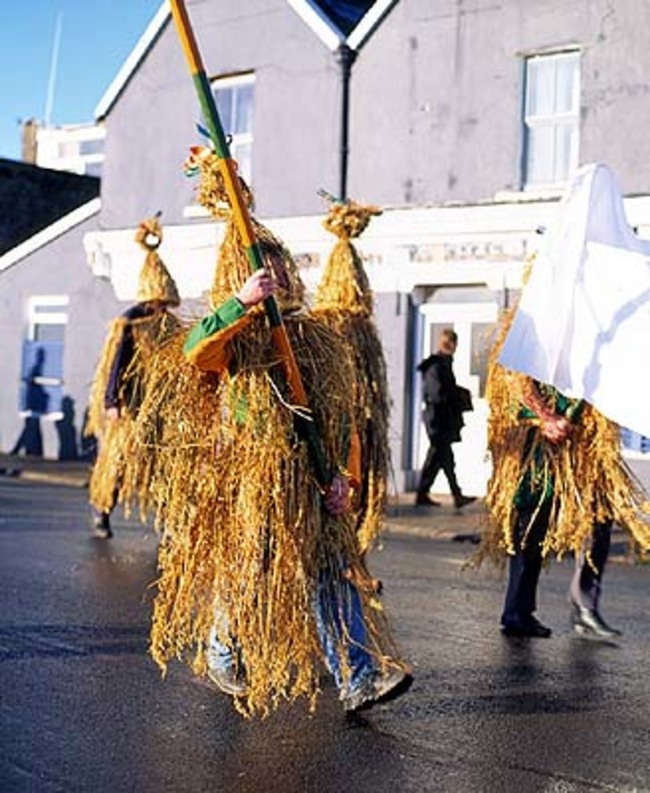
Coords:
pixel 75 473
pixel 402 516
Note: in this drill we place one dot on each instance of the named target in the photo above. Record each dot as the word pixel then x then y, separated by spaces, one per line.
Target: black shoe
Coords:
pixel 102 526
pixel 528 627
pixel 463 501
pixel 589 623
pixel 425 500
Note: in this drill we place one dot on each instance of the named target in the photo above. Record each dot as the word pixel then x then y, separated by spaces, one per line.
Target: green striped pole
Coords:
pixel 245 227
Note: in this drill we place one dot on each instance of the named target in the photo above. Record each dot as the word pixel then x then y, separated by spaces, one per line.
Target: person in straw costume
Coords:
pixel 119 381
pixel 559 482
pixel 344 301
pixel 253 553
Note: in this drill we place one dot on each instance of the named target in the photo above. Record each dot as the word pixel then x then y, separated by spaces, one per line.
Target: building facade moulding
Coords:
pixel 402 248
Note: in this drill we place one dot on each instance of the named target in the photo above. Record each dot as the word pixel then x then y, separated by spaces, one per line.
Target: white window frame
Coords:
pixel 241 138
pixel 195 210
pixel 539 121
pixel 36 317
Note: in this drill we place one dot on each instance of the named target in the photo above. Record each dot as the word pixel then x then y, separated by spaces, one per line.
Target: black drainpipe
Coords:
pixel 345 56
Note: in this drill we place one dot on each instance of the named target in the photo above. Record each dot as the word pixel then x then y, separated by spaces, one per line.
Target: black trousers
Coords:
pixel 526 565
pixel 590 565
pixel 440 456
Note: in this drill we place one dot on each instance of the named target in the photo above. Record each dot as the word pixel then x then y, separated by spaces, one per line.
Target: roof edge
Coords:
pixel 130 65
pixel 50 233
pixel 369 23
pixel 319 23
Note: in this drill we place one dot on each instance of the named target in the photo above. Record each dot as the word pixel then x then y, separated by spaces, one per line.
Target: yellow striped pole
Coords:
pixel 244 225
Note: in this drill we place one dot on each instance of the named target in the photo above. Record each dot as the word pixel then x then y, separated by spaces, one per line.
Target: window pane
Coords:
pixel 482 341
pixel 241 152
pixel 541 144
pixel 567 89
pixel 93 169
pixel 49 332
pixel 223 97
pixel 540 99
pixel 87 147
pixel 563 151
pixel 243 109
pixel 551 121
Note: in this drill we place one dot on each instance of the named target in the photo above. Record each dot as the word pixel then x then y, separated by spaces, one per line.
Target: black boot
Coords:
pixel 101 524
pixel 425 500
pixel 589 623
pixel 461 501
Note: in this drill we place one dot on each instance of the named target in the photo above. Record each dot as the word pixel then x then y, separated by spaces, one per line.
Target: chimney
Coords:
pixel 30 130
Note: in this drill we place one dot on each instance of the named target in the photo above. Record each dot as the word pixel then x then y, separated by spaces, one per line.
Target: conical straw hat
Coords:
pixel 154 281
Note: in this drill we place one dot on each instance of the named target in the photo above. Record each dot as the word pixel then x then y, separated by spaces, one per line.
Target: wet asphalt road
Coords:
pixel 83 707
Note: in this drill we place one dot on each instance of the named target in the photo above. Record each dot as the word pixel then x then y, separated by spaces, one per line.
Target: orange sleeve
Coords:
pixel 212 354
pixel 354 461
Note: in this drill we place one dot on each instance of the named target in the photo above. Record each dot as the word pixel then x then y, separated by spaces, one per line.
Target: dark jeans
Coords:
pixel 526 565
pixel 439 457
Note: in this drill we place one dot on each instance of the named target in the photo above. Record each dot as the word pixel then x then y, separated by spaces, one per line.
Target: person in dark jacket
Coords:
pixel 444 404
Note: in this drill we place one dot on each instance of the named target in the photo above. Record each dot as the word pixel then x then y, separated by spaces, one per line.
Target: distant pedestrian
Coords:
pixel 119 382
pixel 444 405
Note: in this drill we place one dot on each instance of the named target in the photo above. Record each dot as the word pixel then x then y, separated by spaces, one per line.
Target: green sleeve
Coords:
pixel 227 313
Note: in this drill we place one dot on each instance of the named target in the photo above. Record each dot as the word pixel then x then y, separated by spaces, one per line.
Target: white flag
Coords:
pixel 583 323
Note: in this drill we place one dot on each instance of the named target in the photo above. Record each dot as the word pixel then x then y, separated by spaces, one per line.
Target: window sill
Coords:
pixel 530 195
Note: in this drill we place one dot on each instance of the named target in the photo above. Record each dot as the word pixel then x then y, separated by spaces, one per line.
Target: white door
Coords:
pixel 474 323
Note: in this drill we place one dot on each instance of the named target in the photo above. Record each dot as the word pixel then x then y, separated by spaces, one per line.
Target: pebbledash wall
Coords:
pixel 53 306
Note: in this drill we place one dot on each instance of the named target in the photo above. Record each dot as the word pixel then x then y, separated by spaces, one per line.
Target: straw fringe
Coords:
pixel 245 539
pixel 590 480
pixel 116 469
pixel 244 533
pixel 344 301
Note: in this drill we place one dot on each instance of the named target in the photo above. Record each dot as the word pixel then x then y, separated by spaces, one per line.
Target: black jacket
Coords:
pixel 123 380
pixel 443 399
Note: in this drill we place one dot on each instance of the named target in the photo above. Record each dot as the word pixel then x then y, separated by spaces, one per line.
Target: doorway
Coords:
pixel 472 312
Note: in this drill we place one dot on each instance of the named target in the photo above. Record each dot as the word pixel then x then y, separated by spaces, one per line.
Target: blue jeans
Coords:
pixel 220 656
pixel 340 623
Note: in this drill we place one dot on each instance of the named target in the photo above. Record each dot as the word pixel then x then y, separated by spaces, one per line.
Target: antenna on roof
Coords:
pixel 53 67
